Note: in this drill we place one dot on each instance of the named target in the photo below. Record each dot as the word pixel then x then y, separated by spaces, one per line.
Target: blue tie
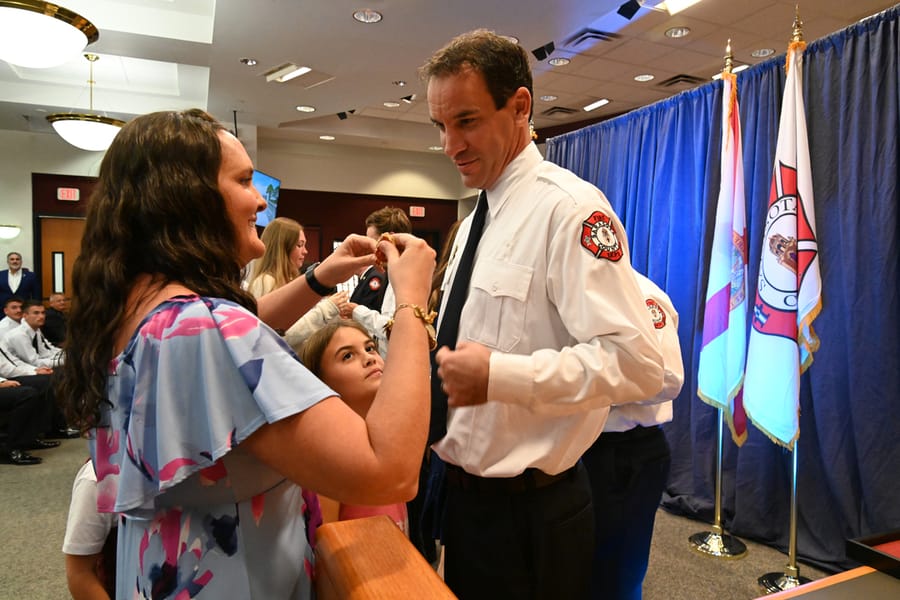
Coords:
pixel 449 327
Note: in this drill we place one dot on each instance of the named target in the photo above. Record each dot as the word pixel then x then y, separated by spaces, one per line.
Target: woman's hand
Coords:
pixel 354 253
pixel 410 266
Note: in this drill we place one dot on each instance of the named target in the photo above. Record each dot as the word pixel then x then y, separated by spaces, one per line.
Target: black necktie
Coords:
pixel 449 327
pixel 34 342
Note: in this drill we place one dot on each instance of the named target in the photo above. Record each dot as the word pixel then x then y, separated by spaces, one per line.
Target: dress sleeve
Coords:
pixel 198 378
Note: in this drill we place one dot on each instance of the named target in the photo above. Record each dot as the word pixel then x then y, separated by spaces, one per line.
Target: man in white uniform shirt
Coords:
pixel 629 466
pixel 27 343
pixel 12 309
pixel 554 329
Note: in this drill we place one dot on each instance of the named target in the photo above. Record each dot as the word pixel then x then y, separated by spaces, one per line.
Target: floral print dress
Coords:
pixel 201 518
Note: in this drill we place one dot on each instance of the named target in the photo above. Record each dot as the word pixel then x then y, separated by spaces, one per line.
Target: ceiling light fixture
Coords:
pixel 548 98
pixel 559 61
pixel 511 38
pixel 8 232
pixel 436 148
pixel 399 83
pixel 250 62
pixel 596 105
pixel 678 32
pixel 87 131
pixel 676 6
pixel 643 77
pixel 367 16
pixel 327 138
pixel 286 72
pixel 391 104
pixel 305 108
pixel 762 52
pixel 39 35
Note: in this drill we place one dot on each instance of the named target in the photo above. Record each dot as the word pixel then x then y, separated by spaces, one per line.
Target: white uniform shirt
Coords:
pixel 657 410
pixel 86 529
pixel 10 366
pixel 20 341
pixel 7 325
pixel 570 331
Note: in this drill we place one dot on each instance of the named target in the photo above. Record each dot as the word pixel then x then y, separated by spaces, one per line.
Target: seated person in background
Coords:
pixel 28 415
pixel 344 356
pixel 90 542
pixel 13 311
pixel 28 344
pixel 55 324
pixel 280 264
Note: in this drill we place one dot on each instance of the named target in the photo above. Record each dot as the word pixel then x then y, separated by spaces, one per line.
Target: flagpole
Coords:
pixel 716 543
pixel 776 582
pixel 790 578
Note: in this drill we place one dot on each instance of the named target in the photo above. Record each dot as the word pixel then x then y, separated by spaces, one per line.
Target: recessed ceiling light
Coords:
pixel 559 61
pixel 644 77
pixel 678 32
pixel 399 83
pixel 435 148
pixel 305 108
pixel 596 105
pixel 391 104
pixel 511 38
pixel 248 61
pixel 762 52
pixel 367 15
pixel 327 138
pixel 549 97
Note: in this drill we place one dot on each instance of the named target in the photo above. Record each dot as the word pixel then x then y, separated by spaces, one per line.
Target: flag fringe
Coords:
pixel 728 410
pixel 789 445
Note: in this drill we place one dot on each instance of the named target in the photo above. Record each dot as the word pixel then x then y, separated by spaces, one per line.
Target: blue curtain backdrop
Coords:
pixel 659 166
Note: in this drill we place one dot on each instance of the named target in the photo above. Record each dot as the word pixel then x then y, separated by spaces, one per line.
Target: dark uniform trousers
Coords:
pixel 529 536
pixel 628 473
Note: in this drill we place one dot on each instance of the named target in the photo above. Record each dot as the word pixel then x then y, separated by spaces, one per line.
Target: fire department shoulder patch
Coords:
pixel 374 284
pixel 656 313
pixel 598 236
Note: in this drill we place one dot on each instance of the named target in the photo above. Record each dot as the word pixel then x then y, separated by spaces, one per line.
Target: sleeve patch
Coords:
pixel 656 313
pixel 374 284
pixel 598 236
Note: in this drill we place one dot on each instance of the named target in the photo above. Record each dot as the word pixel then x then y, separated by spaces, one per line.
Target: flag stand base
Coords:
pixel 778 582
pixel 717 545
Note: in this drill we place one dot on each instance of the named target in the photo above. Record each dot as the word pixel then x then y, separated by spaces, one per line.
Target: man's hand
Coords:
pixel 9 383
pixel 464 373
pixel 43 371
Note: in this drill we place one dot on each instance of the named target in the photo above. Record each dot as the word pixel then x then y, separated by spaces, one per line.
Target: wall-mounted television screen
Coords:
pixel 268 188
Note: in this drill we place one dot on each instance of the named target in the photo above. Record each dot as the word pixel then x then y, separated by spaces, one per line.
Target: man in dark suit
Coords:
pixel 54 328
pixel 17 281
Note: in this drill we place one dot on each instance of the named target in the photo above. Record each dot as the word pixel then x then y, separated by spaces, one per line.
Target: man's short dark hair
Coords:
pixel 11 253
pixel 389 219
pixel 31 302
pixel 13 299
pixel 503 63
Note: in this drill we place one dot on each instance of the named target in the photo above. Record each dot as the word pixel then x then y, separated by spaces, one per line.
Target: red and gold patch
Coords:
pixel 656 313
pixel 598 236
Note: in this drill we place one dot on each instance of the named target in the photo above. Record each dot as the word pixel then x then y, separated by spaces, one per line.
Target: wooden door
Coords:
pixel 60 245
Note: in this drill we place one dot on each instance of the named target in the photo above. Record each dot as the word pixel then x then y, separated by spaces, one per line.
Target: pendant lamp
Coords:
pixel 39 35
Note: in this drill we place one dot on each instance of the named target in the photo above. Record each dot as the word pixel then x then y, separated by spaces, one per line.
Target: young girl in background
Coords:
pixel 345 357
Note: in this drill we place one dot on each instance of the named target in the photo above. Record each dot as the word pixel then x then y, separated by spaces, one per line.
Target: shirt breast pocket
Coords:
pixel 497 308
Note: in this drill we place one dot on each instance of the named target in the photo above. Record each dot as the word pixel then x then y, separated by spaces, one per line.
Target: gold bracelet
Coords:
pixel 426 318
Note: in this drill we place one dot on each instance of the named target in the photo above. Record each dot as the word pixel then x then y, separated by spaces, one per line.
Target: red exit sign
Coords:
pixel 68 194
pixel 417 211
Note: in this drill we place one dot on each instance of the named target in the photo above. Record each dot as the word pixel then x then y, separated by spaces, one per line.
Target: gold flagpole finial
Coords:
pixel 729 57
pixel 797 34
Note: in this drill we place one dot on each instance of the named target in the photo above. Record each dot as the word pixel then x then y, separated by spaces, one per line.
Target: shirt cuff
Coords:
pixel 511 379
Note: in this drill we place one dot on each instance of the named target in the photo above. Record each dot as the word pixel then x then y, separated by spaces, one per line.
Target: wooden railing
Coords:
pixel 371 558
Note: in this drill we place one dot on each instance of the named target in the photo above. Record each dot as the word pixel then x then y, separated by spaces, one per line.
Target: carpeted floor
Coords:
pixel 35 501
